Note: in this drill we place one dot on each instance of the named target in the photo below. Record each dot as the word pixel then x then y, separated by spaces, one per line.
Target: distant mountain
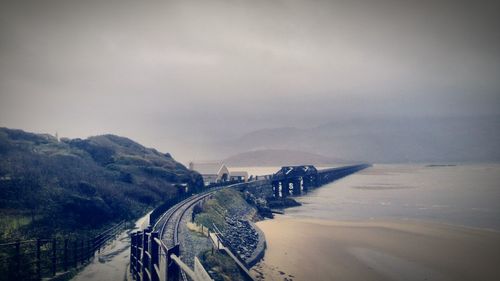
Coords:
pixel 75 184
pixel 279 157
pixel 384 140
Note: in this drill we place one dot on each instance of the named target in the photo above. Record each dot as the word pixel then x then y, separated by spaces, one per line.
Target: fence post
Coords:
pixel 38 262
pixel 145 257
pixel 138 255
pixel 173 270
pixel 99 245
pixel 132 253
pixel 82 252
pixel 85 250
pixel 54 253
pixel 89 250
pixel 154 247
pixel 210 240
pixel 18 259
pixel 75 254
pixel 94 244
pixel 65 255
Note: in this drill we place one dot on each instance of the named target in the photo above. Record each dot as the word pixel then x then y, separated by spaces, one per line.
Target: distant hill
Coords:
pixel 279 157
pixel 384 140
pixel 49 186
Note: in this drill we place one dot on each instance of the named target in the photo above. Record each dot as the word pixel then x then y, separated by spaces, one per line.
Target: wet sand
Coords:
pixel 314 249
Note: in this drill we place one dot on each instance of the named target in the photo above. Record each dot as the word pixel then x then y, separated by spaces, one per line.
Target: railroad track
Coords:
pixel 169 223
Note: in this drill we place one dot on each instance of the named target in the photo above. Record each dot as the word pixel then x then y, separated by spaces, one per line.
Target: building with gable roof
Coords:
pixel 211 172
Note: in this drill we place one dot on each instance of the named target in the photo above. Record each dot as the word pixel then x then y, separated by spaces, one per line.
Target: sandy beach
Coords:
pixel 376 250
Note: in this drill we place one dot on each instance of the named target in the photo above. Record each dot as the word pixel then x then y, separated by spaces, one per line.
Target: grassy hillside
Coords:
pixel 60 187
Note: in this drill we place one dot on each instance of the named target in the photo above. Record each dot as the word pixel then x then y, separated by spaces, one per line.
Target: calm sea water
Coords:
pixel 467 195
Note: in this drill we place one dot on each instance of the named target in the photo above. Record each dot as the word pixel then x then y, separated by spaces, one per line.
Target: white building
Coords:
pixel 211 172
pixel 238 175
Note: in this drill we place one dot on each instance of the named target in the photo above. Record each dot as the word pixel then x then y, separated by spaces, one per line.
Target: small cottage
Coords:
pixel 211 172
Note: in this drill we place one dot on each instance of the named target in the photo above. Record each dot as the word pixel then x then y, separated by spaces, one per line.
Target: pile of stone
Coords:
pixel 241 237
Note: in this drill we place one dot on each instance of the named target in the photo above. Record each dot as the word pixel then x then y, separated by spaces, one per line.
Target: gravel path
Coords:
pixel 192 243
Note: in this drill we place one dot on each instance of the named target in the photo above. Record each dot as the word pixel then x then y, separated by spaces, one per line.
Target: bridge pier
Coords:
pixel 295 180
pixel 288 188
pixel 309 182
pixel 297 187
pixel 276 189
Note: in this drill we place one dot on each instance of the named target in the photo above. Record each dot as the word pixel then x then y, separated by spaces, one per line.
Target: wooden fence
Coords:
pixel 150 258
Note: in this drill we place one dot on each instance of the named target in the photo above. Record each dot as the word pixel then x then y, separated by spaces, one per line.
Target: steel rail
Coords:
pixel 182 207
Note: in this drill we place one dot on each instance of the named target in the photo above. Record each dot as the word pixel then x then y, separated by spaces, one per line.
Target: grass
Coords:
pixel 224 203
pixel 76 186
pixel 221 266
pixel 12 222
pixel 213 213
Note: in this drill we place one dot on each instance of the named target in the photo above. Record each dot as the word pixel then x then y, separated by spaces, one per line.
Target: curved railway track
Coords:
pixel 169 223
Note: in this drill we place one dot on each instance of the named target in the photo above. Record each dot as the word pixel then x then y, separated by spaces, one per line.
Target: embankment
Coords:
pixel 229 212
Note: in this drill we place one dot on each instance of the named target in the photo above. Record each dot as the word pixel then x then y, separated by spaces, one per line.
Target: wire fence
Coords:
pixel 44 258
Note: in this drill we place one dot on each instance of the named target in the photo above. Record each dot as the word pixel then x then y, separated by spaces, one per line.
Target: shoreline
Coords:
pixel 319 220
pixel 375 250
pixel 260 251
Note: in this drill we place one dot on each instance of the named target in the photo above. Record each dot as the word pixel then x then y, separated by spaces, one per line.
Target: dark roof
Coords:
pixel 295 171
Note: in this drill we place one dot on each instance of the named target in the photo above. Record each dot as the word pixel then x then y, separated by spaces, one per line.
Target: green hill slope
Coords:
pixel 51 187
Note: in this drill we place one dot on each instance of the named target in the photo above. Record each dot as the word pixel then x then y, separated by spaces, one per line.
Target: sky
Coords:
pixel 176 74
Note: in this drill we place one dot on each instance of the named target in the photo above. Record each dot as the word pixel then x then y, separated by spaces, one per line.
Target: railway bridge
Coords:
pixel 296 180
pixel 155 252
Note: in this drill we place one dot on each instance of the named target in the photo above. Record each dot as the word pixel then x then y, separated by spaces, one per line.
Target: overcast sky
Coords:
pixel 170 73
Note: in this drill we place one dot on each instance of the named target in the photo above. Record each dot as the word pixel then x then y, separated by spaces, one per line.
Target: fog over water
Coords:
pixel 180 75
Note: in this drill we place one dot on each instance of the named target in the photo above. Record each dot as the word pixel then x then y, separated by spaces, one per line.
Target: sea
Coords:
pixel 465 195
pixel 390 222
